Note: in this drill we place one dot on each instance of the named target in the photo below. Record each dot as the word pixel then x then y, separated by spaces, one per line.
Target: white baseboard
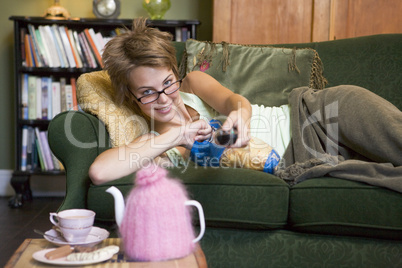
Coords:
pixel 5 187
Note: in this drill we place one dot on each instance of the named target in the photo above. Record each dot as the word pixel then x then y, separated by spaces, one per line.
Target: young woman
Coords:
pixel 143 69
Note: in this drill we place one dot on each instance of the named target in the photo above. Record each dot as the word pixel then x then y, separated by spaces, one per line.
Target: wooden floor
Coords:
pixel 18 224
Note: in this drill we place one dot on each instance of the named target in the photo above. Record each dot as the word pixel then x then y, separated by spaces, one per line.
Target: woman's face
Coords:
pixel 146 80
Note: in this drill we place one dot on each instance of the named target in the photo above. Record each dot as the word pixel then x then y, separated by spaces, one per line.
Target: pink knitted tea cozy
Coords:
pixel 157 225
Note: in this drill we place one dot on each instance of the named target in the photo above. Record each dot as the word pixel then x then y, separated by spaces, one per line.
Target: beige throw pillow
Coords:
pixel 95 96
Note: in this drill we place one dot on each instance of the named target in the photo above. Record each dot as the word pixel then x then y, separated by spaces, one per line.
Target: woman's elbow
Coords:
pixel 96 174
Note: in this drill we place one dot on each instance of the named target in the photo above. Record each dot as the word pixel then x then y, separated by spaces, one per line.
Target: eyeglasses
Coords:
pixel 172 88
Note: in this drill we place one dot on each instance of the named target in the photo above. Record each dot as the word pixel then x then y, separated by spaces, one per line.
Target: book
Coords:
pixel 67 46
pixel 57 45
pixel 56 96
pixel 93 47
pixel 41 149
pixel 35 61
pixel 40 154
pixel 22 46
pixel 31 97
pixel 24 96
pixel 31 150
pixel 73 45
pixel 80 51
pixel 45 97
pixel 87 51
pixel 63 101
pixel 69 97
pixel 43 49
pixel 50 43
pixel 60 45
pixel 28 55
pixel 35 47
pixel 38 107
pixel 47 153
pixel 74 93
pixel 49 98
pixel 24 144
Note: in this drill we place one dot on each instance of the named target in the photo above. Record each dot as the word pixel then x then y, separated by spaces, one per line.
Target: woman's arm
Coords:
pixel 234 106
pixel 124 160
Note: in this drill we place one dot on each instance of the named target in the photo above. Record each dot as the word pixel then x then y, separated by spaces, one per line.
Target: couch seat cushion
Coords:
pixel 230 197
pixel 342 207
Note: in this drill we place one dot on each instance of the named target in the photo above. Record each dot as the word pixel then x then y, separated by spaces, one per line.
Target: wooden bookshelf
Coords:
pixel 54 53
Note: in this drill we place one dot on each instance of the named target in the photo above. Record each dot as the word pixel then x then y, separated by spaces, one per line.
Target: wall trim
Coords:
pixel 5 186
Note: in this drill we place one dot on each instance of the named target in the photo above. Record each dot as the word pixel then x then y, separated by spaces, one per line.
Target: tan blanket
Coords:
pixel 346 132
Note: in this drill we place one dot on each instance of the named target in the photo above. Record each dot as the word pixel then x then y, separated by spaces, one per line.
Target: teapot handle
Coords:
pixel 200 215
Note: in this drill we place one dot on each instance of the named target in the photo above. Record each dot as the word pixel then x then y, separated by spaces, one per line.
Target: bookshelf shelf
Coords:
pixel 49 56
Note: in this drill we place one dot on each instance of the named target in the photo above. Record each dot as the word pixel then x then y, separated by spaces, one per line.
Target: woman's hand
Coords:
pixel 240 120
pixel 195 131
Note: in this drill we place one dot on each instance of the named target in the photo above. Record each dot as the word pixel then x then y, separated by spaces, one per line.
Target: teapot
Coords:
pixel 156 224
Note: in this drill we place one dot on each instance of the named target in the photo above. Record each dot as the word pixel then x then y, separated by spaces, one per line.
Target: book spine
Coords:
pixel 63 102
pixel 45 98
pixel 40 154
pixel 56 105
pixel 49 98
pixel 35 47
pixel 69 97
pixel 24 96
pixel 44 53
pixel 58 47
pixel 93 47
pixel 51 43
pixel 77 58
pixel 24 148
pixel 30 148
pixel 74 93
pixel 67 46
pixel 80 51
pixel 32 97
pixel 38 97
pixel 41 150
pixel 28 54
pixel 22 48
pixel 87 50
pixel 46 150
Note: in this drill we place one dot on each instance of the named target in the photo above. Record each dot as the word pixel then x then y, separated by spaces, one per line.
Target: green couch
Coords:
pixel 255 219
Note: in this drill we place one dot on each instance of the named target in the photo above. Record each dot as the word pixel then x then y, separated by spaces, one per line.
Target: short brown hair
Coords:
pixel 141 46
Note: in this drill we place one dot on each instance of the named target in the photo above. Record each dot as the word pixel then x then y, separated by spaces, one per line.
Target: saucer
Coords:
pixel 96 236
pixel 40 256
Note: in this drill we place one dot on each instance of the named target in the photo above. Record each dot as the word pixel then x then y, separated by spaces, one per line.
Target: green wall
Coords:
pixel 180 9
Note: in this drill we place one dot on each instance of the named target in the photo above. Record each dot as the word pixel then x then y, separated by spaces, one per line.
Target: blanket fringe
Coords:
pixel 317 79
pixel 292 65
pixel 183 65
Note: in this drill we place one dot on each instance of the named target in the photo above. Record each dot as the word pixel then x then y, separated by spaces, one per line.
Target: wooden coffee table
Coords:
pixel 23 257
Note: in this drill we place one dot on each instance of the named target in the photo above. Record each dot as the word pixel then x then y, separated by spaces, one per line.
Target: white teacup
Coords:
pixel 75 235
pixel 75 224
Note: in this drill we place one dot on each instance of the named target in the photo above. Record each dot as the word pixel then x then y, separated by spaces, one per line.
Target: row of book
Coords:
pixel 58 46
pixel 45 97
pixel 36 152
pixel 182 34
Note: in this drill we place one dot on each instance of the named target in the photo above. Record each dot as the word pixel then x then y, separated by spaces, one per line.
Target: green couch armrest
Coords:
pixel 76 139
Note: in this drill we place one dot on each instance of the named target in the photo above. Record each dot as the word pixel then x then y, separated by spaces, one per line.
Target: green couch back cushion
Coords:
pixel 263 74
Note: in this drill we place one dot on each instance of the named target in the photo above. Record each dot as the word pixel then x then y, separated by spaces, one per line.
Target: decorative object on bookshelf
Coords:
pixel 106 9
pixel 57 12
pixel 156 8
pixel 49 57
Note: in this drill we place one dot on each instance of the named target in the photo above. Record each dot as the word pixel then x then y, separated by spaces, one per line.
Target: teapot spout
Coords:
pixel 119 205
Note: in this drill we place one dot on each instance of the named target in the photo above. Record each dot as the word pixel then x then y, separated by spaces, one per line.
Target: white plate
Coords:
pixel 96 236
pixel 40 256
